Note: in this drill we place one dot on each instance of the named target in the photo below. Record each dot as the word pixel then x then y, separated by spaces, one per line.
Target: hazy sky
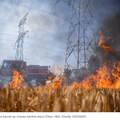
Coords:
pixel 47 41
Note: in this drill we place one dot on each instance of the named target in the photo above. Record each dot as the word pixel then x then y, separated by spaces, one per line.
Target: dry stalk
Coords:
pixel 24 100
pixel 44 104
pixel 59 105
pixel 12 100
pixel 39 102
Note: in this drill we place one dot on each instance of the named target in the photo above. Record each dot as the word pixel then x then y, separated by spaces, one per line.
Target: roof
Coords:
pixel 15 60
pixel 37 66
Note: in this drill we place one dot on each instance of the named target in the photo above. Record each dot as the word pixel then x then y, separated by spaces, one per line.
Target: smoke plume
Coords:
pixel 111 32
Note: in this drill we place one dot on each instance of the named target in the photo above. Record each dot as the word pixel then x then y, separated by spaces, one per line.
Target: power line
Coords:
pixel 8 30
pixel 46 56
pixel 6 48
pixel 47 32
pixel 50 14
pixel 35 10
pixel 33 53
pixel 44 12
pixel 104 6
pixel 37 40
pixel 30 26
pixel 38 47
pixel 44 47
pixel 8 34
pixel 33 37
pixel 5 45
pixel 26 24
pixel 8 21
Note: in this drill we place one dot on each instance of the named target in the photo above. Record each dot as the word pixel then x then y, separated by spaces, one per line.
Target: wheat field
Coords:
pixel 63 99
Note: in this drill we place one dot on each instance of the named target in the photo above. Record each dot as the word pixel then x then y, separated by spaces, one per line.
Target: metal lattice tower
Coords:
pixel 81 37
pixel 19 41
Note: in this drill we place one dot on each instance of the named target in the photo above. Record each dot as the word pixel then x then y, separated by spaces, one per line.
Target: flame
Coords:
pixel 41 86
pixel 56 83
pixel 116 74
pixel 101 39
pixel 100 80
pixel 105 77
pixel 65 85
pixel 48 82
pixel 17 80
pixel 76 84
pixel 101 43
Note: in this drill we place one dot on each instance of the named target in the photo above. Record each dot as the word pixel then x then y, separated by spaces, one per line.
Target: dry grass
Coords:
pixel 59 100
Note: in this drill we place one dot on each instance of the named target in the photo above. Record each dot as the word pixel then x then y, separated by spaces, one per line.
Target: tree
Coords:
pixel 93 64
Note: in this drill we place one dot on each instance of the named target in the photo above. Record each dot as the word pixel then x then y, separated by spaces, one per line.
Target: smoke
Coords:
pixel 80 74
pixel 110 28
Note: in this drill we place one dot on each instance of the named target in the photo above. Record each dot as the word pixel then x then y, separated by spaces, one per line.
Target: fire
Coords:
pixel 101 39
pixel 65 84
pixel 116 74
pixel 56 83
pixel 17 80
pixel 104 78
pixel 76 84
pixel 101 43
pixel 48 82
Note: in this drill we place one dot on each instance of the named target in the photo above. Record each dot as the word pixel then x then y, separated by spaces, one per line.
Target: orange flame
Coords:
pixel 65 85
pixel 17 80
pixel 101 43
pixel 103 78
pixel 56 83
pixel 105 75
pixel 76 84
pixel 116 74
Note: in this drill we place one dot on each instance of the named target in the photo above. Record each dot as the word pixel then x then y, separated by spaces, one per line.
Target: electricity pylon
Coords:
pixel 81 37
pixel 19 41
